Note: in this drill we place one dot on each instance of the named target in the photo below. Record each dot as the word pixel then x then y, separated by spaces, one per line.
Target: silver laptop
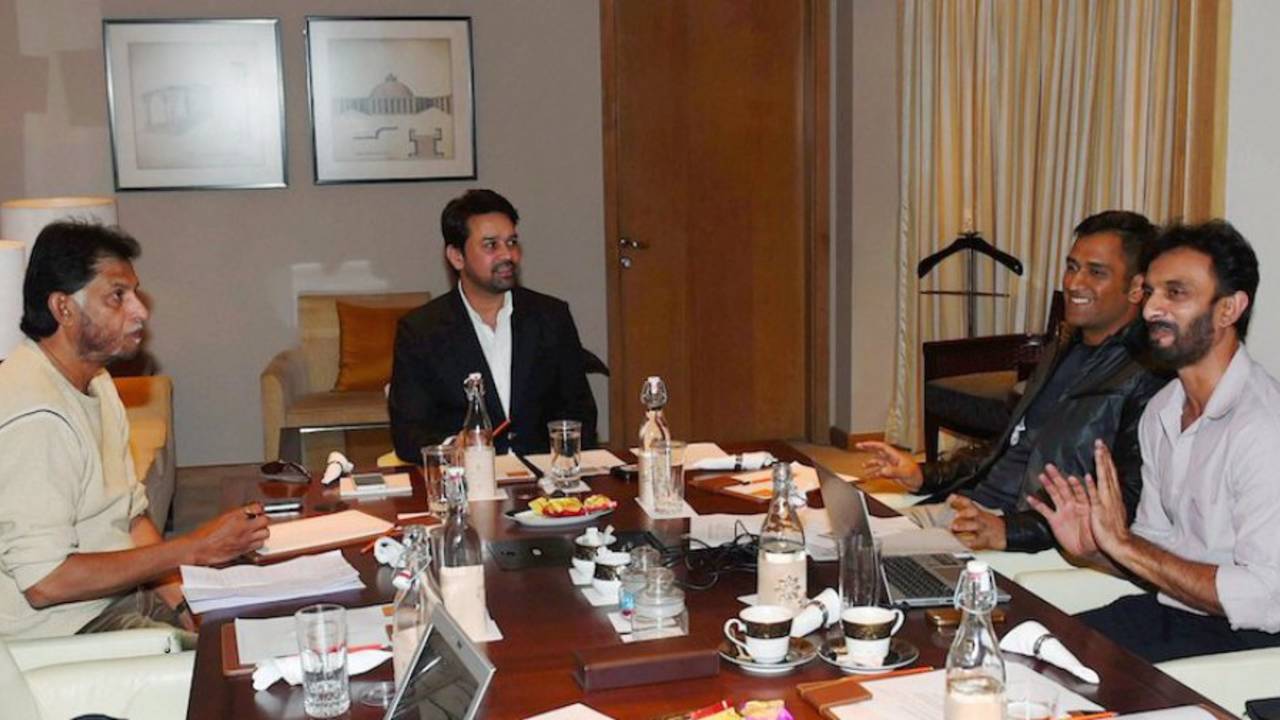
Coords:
pixel 909 580
pixel 449 676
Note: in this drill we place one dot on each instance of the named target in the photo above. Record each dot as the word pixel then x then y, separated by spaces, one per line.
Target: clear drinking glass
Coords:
pixel 566 452
pixel 668 477
pixel 859 571
pixel 322 648
pixel 435 458
pixel 1029 700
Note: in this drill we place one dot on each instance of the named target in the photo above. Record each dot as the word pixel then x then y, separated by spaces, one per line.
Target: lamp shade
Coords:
pixel 12 261
pixel 22 220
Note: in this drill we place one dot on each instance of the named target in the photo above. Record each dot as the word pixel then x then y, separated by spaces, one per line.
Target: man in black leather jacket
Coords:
pixel 1093 382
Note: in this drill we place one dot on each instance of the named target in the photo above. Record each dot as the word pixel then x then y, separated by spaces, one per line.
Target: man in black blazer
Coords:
pixel 524 343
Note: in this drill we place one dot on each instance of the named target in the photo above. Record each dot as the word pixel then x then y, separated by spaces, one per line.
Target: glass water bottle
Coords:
pixel 654 430
pixel 975 668
pixel 460 561
pixel 476 442
pixel 781 569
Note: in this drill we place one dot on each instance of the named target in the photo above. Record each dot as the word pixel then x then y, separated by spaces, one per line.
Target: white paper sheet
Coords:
pixel 259 639
pixel 592 462
pixel 508 469
pixel 210 589
pixel 921 541
pixel 923 696
pixel 693 452
pixel 1186 712
pixel 576 711
pixel 759 483
pixel 322 530
pixel 686 511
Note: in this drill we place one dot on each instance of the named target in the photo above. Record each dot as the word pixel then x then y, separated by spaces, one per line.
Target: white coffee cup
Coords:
pixel 867 630
pixel 608 572
pixel 766 632
pixel 585 548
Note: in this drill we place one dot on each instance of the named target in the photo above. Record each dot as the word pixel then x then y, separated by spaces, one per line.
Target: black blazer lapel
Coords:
pixel 524 344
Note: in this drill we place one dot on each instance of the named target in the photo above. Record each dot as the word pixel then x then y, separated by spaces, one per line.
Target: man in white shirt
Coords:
pixel 524 343
pixel 1204 536
pixel 78 552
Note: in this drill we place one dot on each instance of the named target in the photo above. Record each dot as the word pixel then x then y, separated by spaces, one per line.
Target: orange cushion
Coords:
pixel 367 338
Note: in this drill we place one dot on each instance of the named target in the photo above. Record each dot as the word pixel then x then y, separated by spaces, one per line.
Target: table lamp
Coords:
pixel 23 219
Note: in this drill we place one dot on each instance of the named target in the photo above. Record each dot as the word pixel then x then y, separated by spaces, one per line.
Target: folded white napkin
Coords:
pixel 822 611
pixel 289 668
pixel 337 466
pixel 1031 638
pixel 741 461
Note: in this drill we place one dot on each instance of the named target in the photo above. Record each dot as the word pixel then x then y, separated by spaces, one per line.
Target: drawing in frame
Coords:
pixel 392 99
pixel 195 103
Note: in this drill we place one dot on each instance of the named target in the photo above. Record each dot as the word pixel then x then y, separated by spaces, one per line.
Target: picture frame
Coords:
pixel 392 99
pixel 195 104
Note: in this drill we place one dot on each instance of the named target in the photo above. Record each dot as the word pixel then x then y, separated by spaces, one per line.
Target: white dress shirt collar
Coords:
pixel 495 343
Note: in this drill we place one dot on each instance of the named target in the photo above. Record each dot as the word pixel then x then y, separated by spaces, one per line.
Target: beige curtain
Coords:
pixel 1018 118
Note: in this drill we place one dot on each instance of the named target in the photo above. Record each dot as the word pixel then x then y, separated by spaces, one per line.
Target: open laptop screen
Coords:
pixel 449 676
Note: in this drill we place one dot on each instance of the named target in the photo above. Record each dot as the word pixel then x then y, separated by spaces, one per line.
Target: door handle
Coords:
pixel 627 243
pixel 625 262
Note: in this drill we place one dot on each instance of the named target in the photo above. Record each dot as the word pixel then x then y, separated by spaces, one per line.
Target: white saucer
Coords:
pixel 800 652
pixel 901 654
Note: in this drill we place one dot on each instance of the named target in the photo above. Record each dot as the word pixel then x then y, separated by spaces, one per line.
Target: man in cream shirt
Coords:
pixel 524 343
pixel 78 552
pixel 1204 537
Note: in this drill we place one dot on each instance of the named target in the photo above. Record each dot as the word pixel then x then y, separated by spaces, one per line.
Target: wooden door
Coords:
pixel 715 191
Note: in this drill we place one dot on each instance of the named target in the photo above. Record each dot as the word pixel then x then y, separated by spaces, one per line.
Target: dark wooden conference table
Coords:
pixel 544 619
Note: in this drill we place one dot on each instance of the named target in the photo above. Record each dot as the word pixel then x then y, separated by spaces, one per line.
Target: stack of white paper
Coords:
pixel 209 589
pixel 322 530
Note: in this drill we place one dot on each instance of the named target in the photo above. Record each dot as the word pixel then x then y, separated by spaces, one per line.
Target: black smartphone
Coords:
pixel 625 472
pixel 368 479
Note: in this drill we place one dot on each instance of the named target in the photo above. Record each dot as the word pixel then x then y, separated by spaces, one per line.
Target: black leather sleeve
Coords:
pixel 1125 451
pixel 1027 531
pixel 952 472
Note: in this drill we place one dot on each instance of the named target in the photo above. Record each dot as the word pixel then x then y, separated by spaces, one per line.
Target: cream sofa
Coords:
pixel 138 674
pixel 148 402
pixel 297 386
pixel 1228 679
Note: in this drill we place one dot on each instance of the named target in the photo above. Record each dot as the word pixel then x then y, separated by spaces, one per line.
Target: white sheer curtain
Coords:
pixel 1018 119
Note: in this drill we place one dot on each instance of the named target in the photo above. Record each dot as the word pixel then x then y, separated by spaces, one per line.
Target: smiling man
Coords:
pixel 524 343
pixel 1205 532
pixel 78 552
pixel 1091 384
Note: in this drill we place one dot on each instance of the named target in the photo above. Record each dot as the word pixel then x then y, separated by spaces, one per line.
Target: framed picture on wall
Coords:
pixel 195 104
pixel 392 99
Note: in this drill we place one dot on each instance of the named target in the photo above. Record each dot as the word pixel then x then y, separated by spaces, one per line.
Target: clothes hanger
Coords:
pixel 970 241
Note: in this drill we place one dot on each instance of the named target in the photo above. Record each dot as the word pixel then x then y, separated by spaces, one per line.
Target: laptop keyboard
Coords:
pixel 911 579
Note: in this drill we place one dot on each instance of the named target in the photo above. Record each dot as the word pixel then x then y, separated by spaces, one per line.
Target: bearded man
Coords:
pixel 1204 536
pixel 524 343
pixel 78 552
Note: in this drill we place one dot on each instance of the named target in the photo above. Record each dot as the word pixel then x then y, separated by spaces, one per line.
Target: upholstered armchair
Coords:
pixel 299 386
pixel 136 674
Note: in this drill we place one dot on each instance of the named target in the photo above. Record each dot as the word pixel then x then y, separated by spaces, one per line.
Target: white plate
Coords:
pixel 799 652
pixel 901 654
pixel 529 518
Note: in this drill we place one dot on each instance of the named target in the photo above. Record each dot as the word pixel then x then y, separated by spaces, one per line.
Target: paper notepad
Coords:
pixel 508 469
pixel 321 531
pixel 259 639
pixel 923 696
pixel 592 462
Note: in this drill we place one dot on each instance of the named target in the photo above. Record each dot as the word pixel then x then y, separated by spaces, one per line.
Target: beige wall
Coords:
pixel 866 212
pixel 222 267
pixel 1253 160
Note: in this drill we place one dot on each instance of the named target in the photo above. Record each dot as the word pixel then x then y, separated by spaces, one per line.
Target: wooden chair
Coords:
pixel 972 384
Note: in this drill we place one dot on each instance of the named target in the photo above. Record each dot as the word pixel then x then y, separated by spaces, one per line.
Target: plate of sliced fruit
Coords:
pixel 549 512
